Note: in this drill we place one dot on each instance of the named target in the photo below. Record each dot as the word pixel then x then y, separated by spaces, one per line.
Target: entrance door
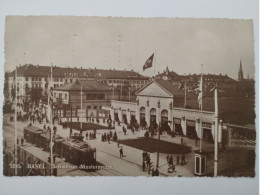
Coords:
pixel 207 135
pixel 152 116
pixel 191 131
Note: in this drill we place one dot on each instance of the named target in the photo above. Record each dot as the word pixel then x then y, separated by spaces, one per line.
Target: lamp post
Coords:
pixel 81 93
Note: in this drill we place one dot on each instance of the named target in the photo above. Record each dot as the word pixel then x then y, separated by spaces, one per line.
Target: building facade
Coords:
pixel 68 98
pixel 156 104
pixel 39 77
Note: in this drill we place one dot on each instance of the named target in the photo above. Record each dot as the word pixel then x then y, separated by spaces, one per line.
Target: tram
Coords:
pixel 73 150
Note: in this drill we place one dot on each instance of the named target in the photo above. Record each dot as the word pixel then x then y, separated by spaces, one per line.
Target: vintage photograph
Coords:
pixel 115 96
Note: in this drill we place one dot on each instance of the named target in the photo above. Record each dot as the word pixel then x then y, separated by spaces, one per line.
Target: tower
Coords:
pixel 240 73
pixel 167 71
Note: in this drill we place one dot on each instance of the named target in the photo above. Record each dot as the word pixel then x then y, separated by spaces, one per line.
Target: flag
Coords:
pixel 148 63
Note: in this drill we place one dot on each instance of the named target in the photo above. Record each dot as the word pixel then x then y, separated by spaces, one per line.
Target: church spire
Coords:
pixel 240 72
pixel 167 70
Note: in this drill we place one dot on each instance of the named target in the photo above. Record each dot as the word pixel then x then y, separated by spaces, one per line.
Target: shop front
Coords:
pixel 177 126
pixel 124 117
pixel 207 135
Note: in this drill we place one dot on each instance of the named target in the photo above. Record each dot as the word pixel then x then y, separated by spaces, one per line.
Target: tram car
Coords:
pixel 74 151
pixel 79 153
pixel 32 134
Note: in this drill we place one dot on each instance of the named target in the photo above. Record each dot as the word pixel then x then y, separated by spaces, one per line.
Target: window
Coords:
pixel 60 95
pixel 40 79
pixel 26 78
pixel 89 107
pixel 71 80
pixel 32 78
pixel 95 107
pixel 66 96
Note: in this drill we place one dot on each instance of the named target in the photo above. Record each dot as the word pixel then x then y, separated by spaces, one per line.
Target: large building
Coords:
pixel 67 99
pixel 38 77
pixel 156 103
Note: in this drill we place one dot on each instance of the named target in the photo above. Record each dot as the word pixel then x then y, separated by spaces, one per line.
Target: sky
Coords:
pixel 126 43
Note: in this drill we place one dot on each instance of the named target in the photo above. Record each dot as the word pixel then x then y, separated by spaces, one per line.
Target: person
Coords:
pixel 121 152
pixel 86 135
pixel 108 138
pixel 124 129
pixel 178 159
pixel 143 166
pixel 115 137
pixel 182 159
pixel 156 172
pixel 167 158
pixel 144 155
pixel 153 172
pixel 170 161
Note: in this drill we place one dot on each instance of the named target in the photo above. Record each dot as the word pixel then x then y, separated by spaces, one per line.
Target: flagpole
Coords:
pixel 51 123
pixel 129 94
pixel 81 107
pixel 121 92
pixel 216 134
pixel 154 63
pixel 185 95
pixel 15 124
pixel 201 108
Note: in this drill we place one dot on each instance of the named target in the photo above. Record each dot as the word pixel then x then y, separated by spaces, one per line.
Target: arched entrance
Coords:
pixel 152 116
pixel 164 117
pixel 142 117
pixel 164 122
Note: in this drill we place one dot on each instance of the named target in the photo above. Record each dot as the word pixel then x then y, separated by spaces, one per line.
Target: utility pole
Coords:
pixel 158 148
pixel 51 120
pixel 15 124
pixel 216 134
pixel 185 100
pixel 81 93
pixel 129 95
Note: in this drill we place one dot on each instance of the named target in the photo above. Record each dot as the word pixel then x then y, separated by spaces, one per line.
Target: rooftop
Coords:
pixel 28 70
pixel 168 85
pixel 86 85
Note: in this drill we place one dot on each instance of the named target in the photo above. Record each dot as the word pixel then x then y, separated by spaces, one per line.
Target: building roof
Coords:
pixel 171 74
pixel 168 86
pixel 90 85
pixel 207 77
pixel 165 85
pixel 29 70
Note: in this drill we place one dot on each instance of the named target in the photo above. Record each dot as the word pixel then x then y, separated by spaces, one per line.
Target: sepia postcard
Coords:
pixel 114 96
